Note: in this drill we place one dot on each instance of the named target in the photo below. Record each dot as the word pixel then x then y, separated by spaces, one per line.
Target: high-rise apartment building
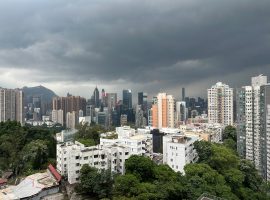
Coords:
pixel 252 115
pixel 11 105
pixel 58 116
pixel 69 104
pixel 163 111
pixel 265 130
pixel 71 120
pixel 220 104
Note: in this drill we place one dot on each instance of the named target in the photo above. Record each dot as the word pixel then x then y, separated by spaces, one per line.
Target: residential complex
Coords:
pixel 220 104
pixel 11 105
pixel 110 154
pixel 253 123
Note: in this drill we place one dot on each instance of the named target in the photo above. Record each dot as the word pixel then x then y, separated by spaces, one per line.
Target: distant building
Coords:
pixel 111 100
pixel 69 104
pixel 181 111
pixel 220 104
pixel 96 98
pixel 183 94
pixel 11 106
pixel 162 114
pixel 71 120
pixel 123 120
pixel 127 99
pixel 58 116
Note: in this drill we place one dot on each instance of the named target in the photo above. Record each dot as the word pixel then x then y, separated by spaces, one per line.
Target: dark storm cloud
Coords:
pixel 158 43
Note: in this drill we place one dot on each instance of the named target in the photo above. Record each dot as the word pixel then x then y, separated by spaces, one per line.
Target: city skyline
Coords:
pixel 156 45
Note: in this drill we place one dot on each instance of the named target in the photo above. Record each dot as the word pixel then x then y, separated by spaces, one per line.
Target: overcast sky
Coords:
pixel 145 45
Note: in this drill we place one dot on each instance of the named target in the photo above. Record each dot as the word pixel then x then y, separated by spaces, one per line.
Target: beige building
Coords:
pixel 163 111
pixel 11 105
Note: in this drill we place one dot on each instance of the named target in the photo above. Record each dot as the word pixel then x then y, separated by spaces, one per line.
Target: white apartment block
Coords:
pixel 71 120
pixel 110 154
pixel 58 116
pixel 220 104
pixel 178 150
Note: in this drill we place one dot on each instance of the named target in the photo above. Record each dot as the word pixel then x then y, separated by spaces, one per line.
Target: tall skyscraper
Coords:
pixel 96 97
pixel 163 111
pixel 183 94
pixel 11 105
pixel 252 102
pixel 127 99
pixel 142 100
pixel 220 104
pixel 181 111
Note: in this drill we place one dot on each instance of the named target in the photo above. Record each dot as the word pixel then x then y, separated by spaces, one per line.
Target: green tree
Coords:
pixel 204 150
pixel 230 133
pixel 202 178
pixel 142 167
pixel 126 185
pixel 35 154
pixel 223 158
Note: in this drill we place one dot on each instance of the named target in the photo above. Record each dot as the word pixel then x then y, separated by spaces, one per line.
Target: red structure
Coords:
pixel 54 172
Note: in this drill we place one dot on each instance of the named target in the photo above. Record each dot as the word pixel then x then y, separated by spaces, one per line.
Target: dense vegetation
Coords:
pixel 219 172
pixel 25 149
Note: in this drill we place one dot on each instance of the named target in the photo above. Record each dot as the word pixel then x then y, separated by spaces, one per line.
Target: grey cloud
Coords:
pixel 155 44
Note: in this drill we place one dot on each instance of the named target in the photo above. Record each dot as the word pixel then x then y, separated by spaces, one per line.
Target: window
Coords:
pixel 95 156
pixel 77 164
pixel 77 157
pixel 85 158
pixel 126 153
pixel 77 172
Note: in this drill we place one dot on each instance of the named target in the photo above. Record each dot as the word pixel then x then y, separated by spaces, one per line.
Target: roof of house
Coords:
pixel 56 175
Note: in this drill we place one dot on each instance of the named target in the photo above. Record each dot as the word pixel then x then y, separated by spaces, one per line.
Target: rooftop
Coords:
pixel 32 185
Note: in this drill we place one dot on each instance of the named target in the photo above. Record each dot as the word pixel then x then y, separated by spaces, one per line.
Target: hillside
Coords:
pixel 45 93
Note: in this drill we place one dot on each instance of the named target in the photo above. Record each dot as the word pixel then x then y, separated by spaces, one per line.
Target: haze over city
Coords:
pixel 72 46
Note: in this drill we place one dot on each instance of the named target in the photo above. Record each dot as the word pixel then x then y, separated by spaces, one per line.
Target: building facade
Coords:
pixel 162 114
pixel 178 150
pixel 220 104
pixel 252 104
pixel 11 105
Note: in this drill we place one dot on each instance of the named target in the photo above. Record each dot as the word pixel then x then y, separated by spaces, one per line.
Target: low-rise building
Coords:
pixel 178 150
pixel 205 131
pixel 110 154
